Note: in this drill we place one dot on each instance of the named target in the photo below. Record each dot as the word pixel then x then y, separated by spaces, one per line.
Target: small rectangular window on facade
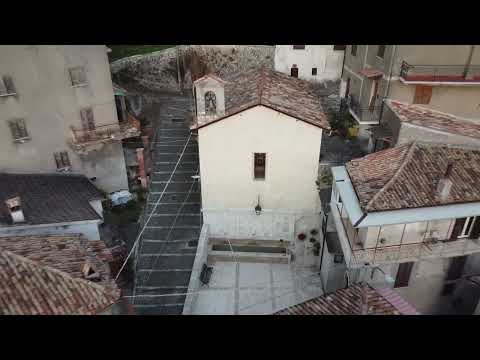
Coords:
pixel 423 94
pixel 6 86
pixel 381 51
pixel 298 47
pixel 314 71
pixel 88 122
pixel 353 50
pixel 339 47
pixel 259 166
pixel 18 129
pixel 62 161
pixel 77 76
pixel 294 71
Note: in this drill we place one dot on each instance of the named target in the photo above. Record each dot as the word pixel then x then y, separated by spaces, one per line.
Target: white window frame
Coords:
pixel 80 84
pixel 6 89
pixel 469 223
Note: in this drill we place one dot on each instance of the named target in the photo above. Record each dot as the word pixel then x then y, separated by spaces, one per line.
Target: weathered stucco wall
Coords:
pixel 327 61
pixel 49 104
pixel 229 190
pixel 160 71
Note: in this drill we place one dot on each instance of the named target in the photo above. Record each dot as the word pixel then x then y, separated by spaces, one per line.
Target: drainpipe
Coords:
pixel 389 80
pixel 469 61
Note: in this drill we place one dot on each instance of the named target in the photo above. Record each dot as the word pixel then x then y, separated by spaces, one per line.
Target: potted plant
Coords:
pixel 301 236
pixel 313 232
pixel 316 249
pixel 312 240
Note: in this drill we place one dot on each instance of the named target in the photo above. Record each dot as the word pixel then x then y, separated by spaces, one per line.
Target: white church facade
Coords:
pixel 259 136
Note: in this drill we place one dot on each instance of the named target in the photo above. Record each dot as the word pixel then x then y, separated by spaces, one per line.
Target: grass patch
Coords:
pixel 121 51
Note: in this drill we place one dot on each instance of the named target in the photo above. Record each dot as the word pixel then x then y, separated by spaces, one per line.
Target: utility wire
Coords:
pixel 151 214
pixel 172 226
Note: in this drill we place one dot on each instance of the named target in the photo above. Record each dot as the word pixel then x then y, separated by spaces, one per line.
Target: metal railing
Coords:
pixel 427 248
pixel 116 131
pixel 364 114
pixel 440 73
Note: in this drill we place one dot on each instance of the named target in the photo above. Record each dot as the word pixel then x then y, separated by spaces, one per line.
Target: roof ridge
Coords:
pixel 406 159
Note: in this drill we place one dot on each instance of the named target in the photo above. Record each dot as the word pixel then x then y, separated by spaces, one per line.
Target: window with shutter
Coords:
pixel 77 76
pixel 381 51
pixel 259 166
pixel 353 50
pixel 339 47
pixel 294 71
pixel 314 71
pixel 61 159
pixel 18 129
pixel 88 122
pixel 423 94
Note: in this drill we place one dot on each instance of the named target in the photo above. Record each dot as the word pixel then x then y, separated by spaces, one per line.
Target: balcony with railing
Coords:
pixel 456 74
pixel 82 138
pixel 429 245
pixel 370 115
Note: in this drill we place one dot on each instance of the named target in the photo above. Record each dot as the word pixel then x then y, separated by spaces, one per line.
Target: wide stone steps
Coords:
pixel 174 186
pixel 166 261
pixel 173 157
pixel 174 220
pixel 179 176
pixel 161 233
pixel 174 197
pixel 168 166
pixel 174 208
pixel 172 277
pixel 159 309
pixel 187 246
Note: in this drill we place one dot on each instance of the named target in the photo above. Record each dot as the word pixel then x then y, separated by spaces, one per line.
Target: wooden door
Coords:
pixel 294 72
pixel 403 274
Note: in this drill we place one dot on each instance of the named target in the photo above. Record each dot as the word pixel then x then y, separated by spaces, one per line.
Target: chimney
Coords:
pixel 14 207
pixel 89 273
pixel 445 183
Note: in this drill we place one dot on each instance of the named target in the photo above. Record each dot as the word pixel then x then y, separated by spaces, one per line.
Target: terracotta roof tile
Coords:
pixel 30 288
pixel 349 302
pixel 407 176
pixel 292 96
pixel 54 280
pixel 432 119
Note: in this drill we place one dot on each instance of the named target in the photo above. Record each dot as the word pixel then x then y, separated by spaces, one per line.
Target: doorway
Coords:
pixel 403 274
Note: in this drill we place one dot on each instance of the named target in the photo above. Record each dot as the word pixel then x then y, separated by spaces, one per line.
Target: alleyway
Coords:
pixel 167 248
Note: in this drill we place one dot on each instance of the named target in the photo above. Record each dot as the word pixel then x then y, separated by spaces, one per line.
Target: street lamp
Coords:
pixel 258 208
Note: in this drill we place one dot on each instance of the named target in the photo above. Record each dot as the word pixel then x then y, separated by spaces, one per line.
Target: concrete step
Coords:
pixel 170 165
pixel 160 300
pixel 181 186
pixel 175 220
pixel 178 176
pixel 173 208
pixel 174 197
pixel 158 310
pixel 156 233
pixel 163 277
pixel 165 261
pixel 188 246
pixel 176 147
pixel 248 257
pixel 173 132
pixel 174 157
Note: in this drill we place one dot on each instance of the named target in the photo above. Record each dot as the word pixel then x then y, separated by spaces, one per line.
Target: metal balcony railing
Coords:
pixel 364 114
pixel 427 248
pixel 116 131
pixel 439 73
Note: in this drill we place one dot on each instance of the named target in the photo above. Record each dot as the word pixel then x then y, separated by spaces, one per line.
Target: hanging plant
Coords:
pixel 301 236
pixel 312 240
pixel 314 232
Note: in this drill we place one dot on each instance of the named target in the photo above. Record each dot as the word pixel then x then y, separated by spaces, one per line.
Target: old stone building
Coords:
pixel 58 113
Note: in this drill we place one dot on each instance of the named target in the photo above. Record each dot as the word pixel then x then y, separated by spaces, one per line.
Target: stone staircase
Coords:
pixel 168 246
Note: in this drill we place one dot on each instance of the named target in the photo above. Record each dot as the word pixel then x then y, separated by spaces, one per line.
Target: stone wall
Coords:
pixel 161 71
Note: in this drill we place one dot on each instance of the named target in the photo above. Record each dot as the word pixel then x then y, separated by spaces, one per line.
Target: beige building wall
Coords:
pixel 460 99
pixel 49 104
pixel 328 62
pixel 229 190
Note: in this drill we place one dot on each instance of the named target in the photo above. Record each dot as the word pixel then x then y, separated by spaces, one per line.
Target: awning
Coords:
pixel 371 73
